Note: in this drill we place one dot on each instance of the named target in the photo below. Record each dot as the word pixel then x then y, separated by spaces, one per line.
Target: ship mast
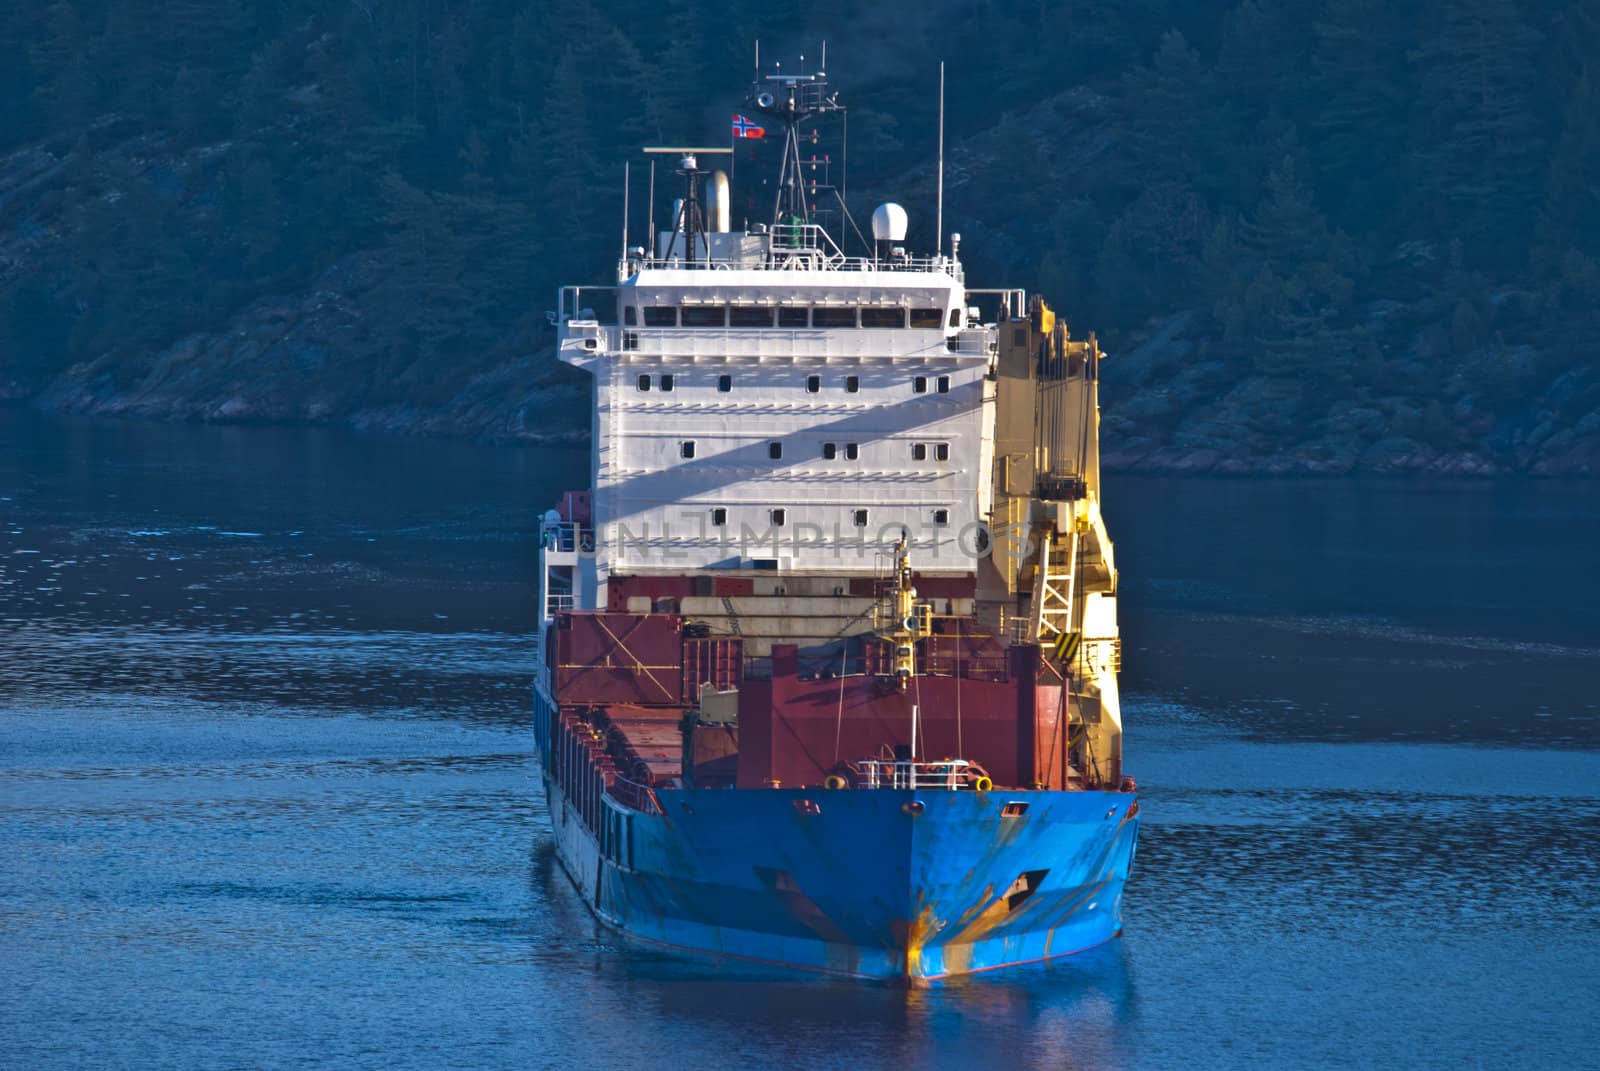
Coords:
pixel 789 100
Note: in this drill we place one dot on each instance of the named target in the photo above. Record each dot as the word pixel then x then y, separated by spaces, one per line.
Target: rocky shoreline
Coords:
pixel 1171 400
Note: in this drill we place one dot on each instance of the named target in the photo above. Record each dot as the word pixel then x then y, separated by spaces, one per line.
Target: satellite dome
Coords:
pixel 889 223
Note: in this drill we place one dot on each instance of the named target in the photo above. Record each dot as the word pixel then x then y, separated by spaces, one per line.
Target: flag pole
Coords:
pixel 938 225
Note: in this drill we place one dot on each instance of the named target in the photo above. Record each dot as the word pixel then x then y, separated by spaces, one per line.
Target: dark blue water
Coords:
pixel 267 789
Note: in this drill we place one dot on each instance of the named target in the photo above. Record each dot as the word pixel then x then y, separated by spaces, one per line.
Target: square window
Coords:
pixel 851 451
pixel 630 316
pixel 861 518
pixel 919 451
pixel 920 385
pixel 660 316
pixel 644 382
pixel 719 516
pixel 830 451
pixel 833 316
pixel 942 452
pixel 941 517
pixel 778 518
pixel 927 317
pixel 686 448
pixel 788 316
pixel 852 384
pixel 704 316
pixel 882 317
pixel 774 450
pixel 666 382
pixel 944 384
pixel 750 316
pixel 724 384
pixel 813 384
pixel 955 317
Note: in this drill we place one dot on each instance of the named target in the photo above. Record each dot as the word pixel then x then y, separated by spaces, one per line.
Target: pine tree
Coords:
pixel 1479 143
pixel 1361 82
pixel 1169 119
pixel 1297 305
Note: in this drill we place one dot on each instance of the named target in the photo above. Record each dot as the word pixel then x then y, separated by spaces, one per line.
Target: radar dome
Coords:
pixel 889 223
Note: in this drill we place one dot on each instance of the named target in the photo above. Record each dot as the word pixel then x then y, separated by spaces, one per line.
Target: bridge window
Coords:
pixel 927 317
pixel 955 317
pixel 830 451
pixel 660 316
pixel 860 518
pixel 944 384
pixel 878 316
pixel 789 316
pixel 852 384
pixel 774 450
pixel 833 316
pixel 719 516
pixel 813 384
pixel 919 385
pixel 630 316
pixel 749 316
pixel 686 448
pixel 666 382
pixel 644 382
pixel 704 316
pixel 724 384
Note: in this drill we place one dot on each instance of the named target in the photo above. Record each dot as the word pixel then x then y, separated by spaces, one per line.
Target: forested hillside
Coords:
pixel 1316 235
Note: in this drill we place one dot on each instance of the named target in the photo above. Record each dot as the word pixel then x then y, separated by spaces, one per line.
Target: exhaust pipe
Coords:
pixel 719 203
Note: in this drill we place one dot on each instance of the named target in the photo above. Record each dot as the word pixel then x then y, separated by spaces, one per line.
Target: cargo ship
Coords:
pixel 828 647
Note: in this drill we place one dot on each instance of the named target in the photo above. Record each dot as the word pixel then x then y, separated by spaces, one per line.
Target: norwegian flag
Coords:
pixel 744 128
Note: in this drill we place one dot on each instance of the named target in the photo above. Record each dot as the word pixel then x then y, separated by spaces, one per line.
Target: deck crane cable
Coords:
pixel 838 728
pixel 921 735
pixel 961 751
pixel 1089 373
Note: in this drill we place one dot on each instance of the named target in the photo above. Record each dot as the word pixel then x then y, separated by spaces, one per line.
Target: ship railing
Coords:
pixel 947 774
pixel 566 537
pixel 972 342
pixel 633 795
pixel 799 260
pixel 779 341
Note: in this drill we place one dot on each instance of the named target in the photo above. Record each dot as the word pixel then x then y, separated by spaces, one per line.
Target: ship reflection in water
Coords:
pixel 267 791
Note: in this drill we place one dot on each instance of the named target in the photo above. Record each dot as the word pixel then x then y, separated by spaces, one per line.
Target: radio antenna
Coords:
pixel 938 225
pixel 626 186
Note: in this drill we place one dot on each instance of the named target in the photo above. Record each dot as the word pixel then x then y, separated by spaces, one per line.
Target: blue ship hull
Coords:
pixel 861 883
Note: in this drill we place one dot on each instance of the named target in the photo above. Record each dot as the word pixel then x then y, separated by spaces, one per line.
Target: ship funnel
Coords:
pixel 719 203
pixel 889 223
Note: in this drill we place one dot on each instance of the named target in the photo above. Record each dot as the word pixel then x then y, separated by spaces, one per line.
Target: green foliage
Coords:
pixel 1261 160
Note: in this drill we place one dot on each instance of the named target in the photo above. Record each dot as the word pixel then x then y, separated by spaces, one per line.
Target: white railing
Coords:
pixel 566 537
pixel 948 774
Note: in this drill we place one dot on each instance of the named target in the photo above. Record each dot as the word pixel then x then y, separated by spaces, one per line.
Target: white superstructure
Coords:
pixel 753 414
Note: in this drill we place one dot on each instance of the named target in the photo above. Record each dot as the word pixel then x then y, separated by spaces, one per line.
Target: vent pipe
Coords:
pixel 719 203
